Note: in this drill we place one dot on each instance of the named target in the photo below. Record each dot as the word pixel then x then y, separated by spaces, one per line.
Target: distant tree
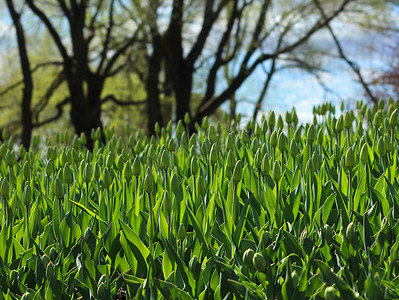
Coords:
pixel 249 32
pixel 90 55
pixel 27 124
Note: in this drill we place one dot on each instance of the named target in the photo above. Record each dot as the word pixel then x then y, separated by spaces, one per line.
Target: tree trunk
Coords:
pixel 27 124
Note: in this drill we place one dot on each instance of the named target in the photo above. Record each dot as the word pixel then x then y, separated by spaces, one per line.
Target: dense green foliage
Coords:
pixel 275 210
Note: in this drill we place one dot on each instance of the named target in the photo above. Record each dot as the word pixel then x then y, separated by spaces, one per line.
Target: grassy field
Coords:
pixel 276 210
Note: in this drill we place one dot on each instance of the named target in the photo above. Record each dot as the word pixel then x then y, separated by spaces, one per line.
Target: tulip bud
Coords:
pixel 259 262
pixel 381 147
pixel 27 196
pixel 342 106
pixel 231 161
pixel 195 267
pixel 3 150
pixel 127 171
pixel 364 154
pixel 351 234
pixel 171 145
pixel 101 290
pixel 205 123
pixel 205 146
pixel 157 128
pixel 320 136
pixel 67 175
pixel 193 141
pixel 381 104
pixel 328 233
pixel 181 233
pixel 4 189
pixel 339 126
pixel 359 128
pixel 119 163
pixel 13 275
pixel 309 167
pixel 107 178
pixel 169 127
pixel 58 188
pixel 297 135
pixel 213 156
pixel 148 183
pixel 257 130
pixel 331 293
pixel 237 172
pixel 164 160
pixel 212 134
pixel 27 296
pixel 282 142
pixel 244 137
pixel 387 126
pixel 378 119
pixel 294 117
pixel 136 168
pixel 311 134
pixel 248 257
pixel 229 142
pixel 179 129
pixel 174 184
pixel 288 117
pixel 273 139
pixel 49 270
pixel 187 119
pixel 167 202
pixel 201 186
pixel 10 158
pixel 194 165
pixel 96 171
pixel 314 120
pixel 388 144
pixel 294 151
pixel 53 254
pixel 276 172
pixel 350 162
pixel 21 151
pixel 4 134
pixel 347 120
pixel 265 167
pixel 271 120
pixel 280 122
pixel 393 119
pixel 264 126
pixel 258 160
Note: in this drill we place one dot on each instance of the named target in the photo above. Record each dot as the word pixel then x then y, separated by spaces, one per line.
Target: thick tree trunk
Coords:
pixel 27 124
pixel 86 108
pixel 182 84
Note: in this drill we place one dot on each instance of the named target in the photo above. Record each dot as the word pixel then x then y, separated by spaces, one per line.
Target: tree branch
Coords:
pixel 107 37
pixel 39 107
pixel 112 98
pixel 34 69
pixel 59 108
pixel 57 39
pixel 351 64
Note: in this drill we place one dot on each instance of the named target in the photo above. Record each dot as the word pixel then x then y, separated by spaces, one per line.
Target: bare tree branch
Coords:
pixel 351 64
pixel 112 98
pixel 34 69
pixel 59 107
pixel 51 29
